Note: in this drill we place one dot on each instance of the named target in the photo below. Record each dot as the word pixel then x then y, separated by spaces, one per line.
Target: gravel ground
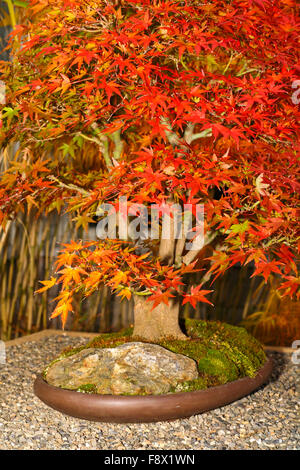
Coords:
pixel 266 419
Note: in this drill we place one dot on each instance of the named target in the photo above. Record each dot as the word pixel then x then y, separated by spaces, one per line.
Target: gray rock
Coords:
pixel 132 368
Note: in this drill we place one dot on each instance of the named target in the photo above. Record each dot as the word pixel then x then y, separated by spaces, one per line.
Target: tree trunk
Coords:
pixel 160 323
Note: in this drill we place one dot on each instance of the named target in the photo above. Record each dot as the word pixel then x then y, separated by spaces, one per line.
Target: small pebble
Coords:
pixel 266 419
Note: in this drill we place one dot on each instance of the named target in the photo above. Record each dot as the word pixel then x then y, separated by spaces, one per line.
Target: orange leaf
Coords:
pixel 47 285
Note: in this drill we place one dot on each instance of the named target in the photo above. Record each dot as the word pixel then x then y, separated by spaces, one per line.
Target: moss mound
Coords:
pixel 223 352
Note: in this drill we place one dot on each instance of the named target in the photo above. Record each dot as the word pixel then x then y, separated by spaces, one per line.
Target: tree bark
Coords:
pixel 160 323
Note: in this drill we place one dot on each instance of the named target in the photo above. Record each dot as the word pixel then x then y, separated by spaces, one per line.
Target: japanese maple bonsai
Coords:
pixel 175 102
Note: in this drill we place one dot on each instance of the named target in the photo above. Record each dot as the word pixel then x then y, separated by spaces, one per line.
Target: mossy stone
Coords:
pixel 223 352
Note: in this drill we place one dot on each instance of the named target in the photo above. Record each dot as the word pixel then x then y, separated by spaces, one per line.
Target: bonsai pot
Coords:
pixel 149 408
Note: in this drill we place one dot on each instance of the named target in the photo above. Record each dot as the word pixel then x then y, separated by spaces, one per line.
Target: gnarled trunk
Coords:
pixel 159 323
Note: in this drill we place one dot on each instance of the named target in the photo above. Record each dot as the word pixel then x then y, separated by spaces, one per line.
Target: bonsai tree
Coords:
pixel 158 104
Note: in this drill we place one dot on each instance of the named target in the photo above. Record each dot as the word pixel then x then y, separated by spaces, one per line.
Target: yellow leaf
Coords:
pixel 119 278
pixel 125 293
pixel 93 278
pixel 47 285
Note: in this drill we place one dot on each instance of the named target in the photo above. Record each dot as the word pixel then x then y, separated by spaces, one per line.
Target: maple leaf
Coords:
pixel 93 279
pixel 71 274
pixel 47 285
pixel 83 221
pixel 266 268
pixel 240 228
pixel 125 293
pixel 159 297
pixel 196 295
pixel 291 286
pixel 119 278
pixel 63 309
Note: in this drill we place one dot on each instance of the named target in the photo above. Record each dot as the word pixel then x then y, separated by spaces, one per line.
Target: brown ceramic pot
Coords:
pixel 150 408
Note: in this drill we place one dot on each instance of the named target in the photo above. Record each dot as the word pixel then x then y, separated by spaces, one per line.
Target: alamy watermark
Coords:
pixel 296 94
pixel 2 353
pixel 296 353
pixel 157 221
pixel 2 92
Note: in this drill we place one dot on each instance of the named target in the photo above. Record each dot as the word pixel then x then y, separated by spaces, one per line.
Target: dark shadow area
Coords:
pixel 280 362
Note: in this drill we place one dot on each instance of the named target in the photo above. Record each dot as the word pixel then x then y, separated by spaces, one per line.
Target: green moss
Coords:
pixel 223 352
pixel 111 337
pixel 217 364
pixel 191 385
pixel 87 388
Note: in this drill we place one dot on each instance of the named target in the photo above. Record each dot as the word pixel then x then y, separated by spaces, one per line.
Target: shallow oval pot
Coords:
pixel 150 408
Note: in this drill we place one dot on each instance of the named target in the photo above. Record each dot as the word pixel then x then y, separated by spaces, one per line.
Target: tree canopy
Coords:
pixel 157 100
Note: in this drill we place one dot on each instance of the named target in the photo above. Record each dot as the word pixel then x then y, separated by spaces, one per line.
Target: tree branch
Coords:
pixel 192 254
pixel 166 246
pixel 73 187
pixel 171 136
pixel 119 144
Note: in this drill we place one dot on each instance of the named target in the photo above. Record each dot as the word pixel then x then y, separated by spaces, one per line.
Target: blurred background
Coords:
pixel 28 249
